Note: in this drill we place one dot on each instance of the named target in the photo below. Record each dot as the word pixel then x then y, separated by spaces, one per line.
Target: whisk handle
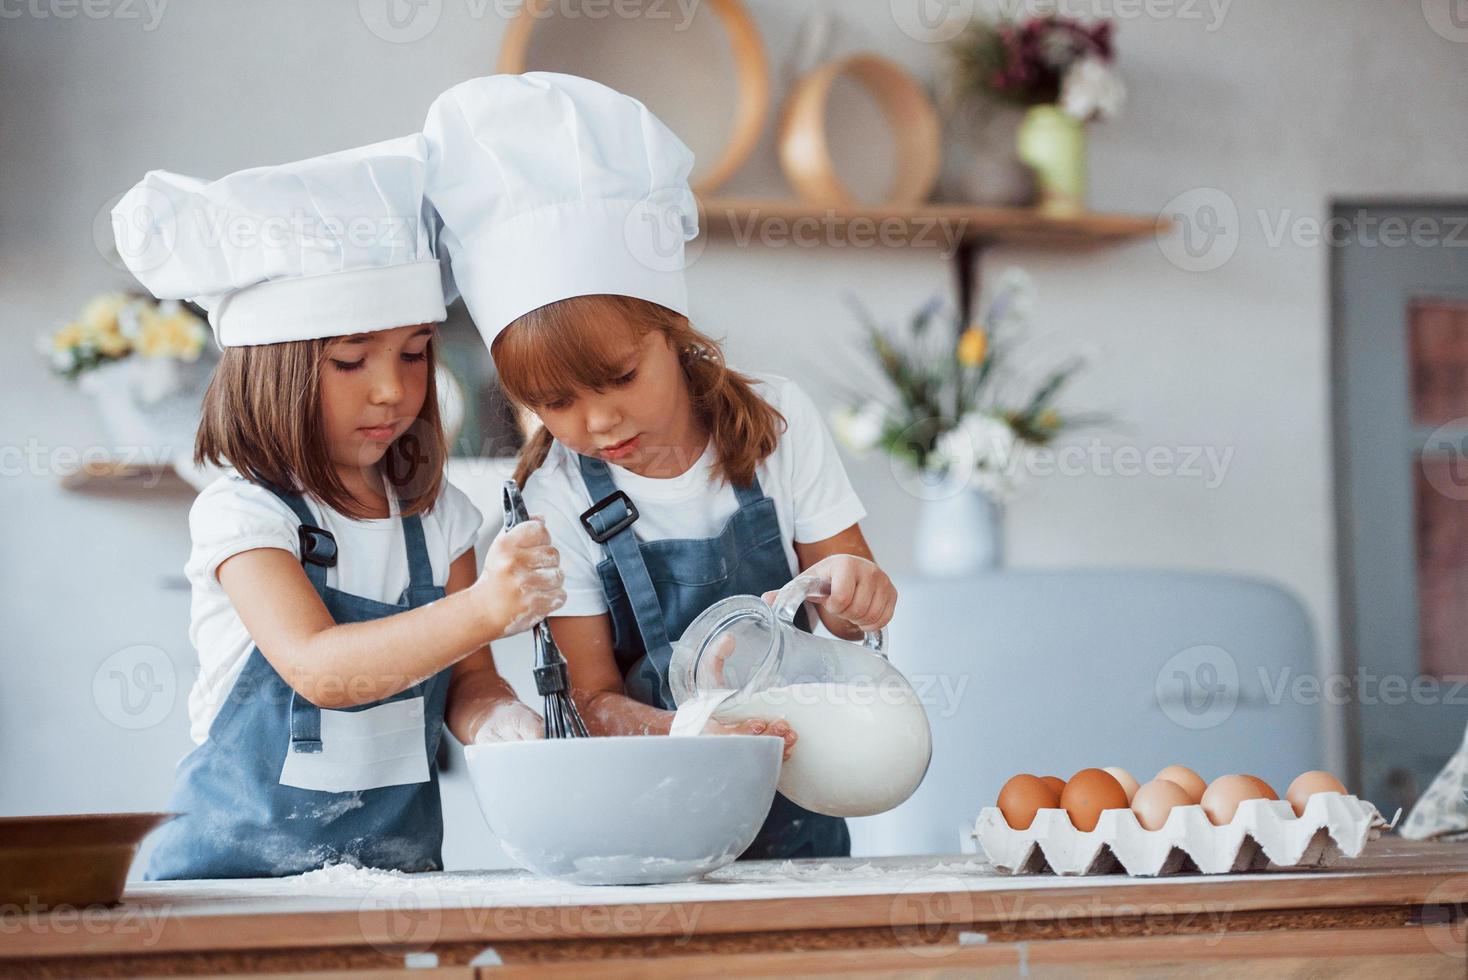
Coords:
pixel 514 503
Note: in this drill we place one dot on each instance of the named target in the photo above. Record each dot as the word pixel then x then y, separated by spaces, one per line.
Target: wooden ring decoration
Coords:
pixel 751 66
pixel 805 155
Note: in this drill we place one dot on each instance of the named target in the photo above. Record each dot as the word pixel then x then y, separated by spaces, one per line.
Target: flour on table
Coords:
pixel 342 888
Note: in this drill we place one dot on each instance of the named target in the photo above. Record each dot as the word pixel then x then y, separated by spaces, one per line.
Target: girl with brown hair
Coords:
pixel 338 613
pixel 669 481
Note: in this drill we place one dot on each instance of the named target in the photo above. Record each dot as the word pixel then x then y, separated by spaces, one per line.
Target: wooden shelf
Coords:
pixel 956 232
pixel 944 227
pixel 118 474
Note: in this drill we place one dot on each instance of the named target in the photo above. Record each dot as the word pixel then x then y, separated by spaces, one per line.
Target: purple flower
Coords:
pixel 1033 55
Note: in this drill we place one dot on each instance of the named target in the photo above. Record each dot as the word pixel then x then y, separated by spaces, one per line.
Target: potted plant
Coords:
pixel 958 419
pixel 142 361
pixel 1062 71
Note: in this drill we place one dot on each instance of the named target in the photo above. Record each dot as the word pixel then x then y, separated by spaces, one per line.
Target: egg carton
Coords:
pixel 1263 834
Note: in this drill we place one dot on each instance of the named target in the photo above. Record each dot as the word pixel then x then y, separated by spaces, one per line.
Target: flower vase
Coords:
pixel 959 535
pixel 1053 143
pixel 149 404
pixel 981 165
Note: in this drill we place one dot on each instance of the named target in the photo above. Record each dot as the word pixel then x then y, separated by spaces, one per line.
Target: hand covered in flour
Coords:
pixel 861 594
pixel 510 720
pixel 522 582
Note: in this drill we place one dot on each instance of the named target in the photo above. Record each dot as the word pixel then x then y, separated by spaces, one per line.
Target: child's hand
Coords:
pixel 861 593
pixel 755 726
pixel 510 720
pixel 522 580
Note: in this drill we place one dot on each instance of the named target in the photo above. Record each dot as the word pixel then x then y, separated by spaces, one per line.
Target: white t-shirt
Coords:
pixel 233 515
pixel 804 476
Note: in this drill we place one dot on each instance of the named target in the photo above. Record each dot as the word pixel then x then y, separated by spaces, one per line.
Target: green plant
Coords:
pixel 959 403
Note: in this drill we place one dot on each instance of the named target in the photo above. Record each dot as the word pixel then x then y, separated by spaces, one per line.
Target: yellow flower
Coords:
pixel 113 344
pixel 100 314
pixel 972 346
pixel 1049 419
pixel 187 333
pixel 67 337
pixel 177 333
pixel 150 332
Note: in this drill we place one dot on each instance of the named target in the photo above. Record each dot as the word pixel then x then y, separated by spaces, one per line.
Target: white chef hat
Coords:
pixel 326 247
pixel 552 186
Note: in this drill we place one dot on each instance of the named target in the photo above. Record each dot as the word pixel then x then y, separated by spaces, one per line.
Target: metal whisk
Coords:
pixel 552 679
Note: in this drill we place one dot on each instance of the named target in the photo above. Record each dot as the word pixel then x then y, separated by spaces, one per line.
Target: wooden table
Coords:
pixel 1398 911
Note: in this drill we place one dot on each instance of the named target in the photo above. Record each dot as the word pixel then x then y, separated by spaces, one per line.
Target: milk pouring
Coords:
pixel 863 741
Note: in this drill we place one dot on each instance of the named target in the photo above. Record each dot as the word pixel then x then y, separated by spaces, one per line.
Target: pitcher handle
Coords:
pixel 789 600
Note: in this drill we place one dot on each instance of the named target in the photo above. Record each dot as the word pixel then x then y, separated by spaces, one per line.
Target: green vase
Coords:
pixel 1053 143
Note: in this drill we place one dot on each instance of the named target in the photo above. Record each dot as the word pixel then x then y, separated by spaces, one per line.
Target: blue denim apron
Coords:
pixel 655 589
pixel 241 821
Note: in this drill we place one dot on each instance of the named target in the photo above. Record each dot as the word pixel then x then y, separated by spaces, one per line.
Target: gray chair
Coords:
pixel 1052 672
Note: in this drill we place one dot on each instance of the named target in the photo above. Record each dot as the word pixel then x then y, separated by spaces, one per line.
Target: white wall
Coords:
pixel 1281 107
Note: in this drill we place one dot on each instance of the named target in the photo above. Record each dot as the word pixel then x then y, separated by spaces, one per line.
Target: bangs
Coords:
pixel 549 353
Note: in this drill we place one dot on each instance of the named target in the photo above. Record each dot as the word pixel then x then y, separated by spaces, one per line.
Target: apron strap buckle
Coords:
pixel 589 519
pixel 318 546
pixel 305 722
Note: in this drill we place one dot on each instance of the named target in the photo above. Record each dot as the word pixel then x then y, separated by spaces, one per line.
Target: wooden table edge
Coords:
pixel 127 929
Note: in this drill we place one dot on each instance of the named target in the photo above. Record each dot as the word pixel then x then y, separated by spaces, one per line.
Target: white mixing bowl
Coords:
pixel 626 810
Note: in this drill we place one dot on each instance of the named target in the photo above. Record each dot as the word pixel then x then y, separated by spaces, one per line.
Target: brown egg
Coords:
pixel 1088 793
pixel 1154 802
pixel 1307 784
pixel 1264 788
pixel 1022 796
pixel 1191 782
pixel 1055 783
pixel 1222 798
pixel 1128 782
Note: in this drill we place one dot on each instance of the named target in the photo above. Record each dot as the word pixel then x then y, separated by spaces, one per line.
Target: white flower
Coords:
pixel 63 359
pixel 987 449
pixel 1092 90
pixel 860 429
pixel 996 485
pixel 991 439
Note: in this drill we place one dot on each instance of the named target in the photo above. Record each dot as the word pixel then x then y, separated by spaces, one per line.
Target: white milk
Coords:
pixel 695 713
pixel 861 748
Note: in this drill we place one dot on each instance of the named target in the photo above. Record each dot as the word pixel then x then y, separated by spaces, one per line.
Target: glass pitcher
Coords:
pixel 863 741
